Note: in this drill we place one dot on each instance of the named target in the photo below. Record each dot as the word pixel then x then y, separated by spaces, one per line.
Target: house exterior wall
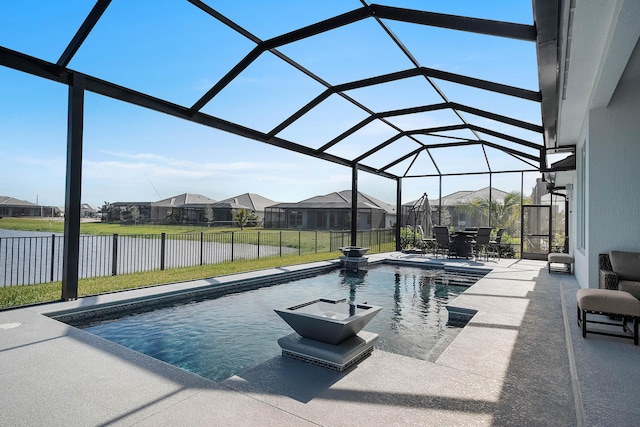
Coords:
pixel 580 191
pixel 614 165
pixel 612 204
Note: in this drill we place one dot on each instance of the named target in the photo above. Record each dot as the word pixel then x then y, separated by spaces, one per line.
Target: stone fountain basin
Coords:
pixel 329 321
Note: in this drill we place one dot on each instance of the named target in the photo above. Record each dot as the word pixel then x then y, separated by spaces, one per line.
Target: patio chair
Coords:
pixel 495 245
pixel 427 243
pixel 481 242
pixel 620 270
pixel 443 241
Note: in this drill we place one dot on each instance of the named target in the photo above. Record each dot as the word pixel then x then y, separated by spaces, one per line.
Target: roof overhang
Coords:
pixel 594 41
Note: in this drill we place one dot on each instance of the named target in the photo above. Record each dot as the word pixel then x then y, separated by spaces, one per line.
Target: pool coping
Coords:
pixel 159 296
pixel 179 290
pixel 198 292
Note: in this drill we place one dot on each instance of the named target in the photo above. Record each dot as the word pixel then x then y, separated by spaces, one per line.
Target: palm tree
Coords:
pixel 477 210
pixel 504 214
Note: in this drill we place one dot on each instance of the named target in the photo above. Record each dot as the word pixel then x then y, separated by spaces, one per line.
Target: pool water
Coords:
pixel 219 338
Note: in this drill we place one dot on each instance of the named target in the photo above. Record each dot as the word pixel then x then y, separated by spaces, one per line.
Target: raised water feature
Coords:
pixel 354 251
pixel 328 332
pixel 353 257
pixel 329 321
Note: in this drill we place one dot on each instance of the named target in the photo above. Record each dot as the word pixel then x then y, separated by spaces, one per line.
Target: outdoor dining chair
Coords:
pixel 443 241
pixel 495 245
pixel 481 242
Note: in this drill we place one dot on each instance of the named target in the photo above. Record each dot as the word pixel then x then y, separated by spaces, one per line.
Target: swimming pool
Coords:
pixel 224 336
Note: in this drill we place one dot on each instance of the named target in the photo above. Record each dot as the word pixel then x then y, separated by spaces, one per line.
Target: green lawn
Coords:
pixel 311 245
pixel 14 296
pixel 56 225
pixel 307 241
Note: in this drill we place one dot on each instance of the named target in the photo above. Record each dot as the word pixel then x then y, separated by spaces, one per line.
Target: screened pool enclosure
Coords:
pixel 387 89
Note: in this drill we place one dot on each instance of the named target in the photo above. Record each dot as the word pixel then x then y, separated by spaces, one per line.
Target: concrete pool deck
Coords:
pixel 521 360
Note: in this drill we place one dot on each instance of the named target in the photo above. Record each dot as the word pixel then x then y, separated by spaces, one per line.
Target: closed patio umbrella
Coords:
pixel 425 218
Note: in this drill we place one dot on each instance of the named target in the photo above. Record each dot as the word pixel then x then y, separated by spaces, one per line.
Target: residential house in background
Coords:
pixel 331 212
pixel 454 208
pixel 191 208
pixel 251 202
pixel 413 211
pixel 88 211
pixel 10 207
pixel 114 212
pixel 186 207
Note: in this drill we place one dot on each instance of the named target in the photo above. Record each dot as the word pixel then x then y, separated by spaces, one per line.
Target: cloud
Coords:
pixel 133 156
pixel 155 161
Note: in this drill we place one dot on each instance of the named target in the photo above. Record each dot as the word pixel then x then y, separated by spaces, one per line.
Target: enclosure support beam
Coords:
pixel 440 200
pixel 399 213
pixel 71 251
pixel 490 197
pixel 354 205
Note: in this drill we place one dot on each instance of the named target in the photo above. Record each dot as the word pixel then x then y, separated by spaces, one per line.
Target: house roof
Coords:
pixel 592 52
pixel 185 200
pixel 250 201
pixel 117 204
pixel 230 205
pixel 339 200
pixel 10 201
pixel 464 197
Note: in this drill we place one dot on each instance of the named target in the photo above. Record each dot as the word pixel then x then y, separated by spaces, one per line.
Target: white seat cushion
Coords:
pixel 608 301
pixel 560 258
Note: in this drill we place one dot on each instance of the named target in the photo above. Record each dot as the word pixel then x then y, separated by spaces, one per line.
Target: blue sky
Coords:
pixel 172 50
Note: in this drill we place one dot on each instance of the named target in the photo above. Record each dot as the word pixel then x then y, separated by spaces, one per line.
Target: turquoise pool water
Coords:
pixel 222 337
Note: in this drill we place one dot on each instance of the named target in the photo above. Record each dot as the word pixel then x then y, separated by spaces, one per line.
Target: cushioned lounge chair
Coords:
pixel 620 270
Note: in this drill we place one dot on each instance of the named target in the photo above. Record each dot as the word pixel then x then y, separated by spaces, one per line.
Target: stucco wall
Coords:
pixel 613 175
pixel 580 255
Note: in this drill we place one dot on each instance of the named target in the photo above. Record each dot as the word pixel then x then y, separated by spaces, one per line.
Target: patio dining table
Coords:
pixel 462 240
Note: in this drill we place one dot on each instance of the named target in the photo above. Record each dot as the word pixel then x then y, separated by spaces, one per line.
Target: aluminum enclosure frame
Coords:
pixel 529 153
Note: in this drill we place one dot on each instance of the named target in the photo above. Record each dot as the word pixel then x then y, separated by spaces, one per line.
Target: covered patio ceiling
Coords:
pixel 384 88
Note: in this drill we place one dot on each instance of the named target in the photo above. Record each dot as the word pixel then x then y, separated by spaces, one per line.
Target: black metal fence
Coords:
pixel 34 260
